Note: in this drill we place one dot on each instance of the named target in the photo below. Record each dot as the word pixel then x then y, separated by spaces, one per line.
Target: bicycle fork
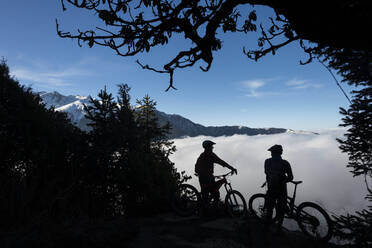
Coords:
pixel 291 201
pixel 228 189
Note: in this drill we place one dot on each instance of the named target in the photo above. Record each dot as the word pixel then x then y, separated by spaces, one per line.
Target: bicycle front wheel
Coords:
pixel 235 204
pixel 314 221
pixel 186 200
pixel 257 207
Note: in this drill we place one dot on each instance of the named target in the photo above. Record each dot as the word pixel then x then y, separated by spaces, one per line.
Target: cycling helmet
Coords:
pixel 276 148
pixel 207 143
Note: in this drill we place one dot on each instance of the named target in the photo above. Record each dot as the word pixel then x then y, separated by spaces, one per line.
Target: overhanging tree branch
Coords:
pixel 134 26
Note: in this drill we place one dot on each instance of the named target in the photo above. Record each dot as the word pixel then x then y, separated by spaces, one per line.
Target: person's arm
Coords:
pixel 219 161
pixel 197 167
pixel 288 171
pixel 266 165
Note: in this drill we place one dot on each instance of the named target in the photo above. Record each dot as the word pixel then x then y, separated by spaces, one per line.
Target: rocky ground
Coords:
pixel 172 231
pixel 161 231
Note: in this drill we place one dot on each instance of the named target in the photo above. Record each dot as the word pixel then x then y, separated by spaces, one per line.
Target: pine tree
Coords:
pixel 161 176
pixel 104 145
pixel 148 122
pixel 356 69
pixel 38 152
pixel 129 155
pixel 357 227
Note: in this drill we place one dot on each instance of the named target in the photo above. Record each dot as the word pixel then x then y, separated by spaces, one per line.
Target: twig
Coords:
pixel 335 80
pixel 170 72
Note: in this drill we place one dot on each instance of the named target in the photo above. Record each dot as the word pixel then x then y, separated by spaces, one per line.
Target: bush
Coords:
pixel 51 170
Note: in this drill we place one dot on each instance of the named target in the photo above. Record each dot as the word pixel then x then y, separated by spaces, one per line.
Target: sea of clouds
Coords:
pixel 315 159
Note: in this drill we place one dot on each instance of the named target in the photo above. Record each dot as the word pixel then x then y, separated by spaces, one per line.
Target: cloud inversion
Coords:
pixel 315 159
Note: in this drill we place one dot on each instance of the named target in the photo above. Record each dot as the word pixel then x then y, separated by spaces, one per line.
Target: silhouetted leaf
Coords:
pixel 252 16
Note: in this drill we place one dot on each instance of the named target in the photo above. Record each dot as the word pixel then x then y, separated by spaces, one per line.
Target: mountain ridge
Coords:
pixel 73 105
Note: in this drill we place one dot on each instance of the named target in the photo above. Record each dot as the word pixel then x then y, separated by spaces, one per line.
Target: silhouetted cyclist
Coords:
pixel 278 172
pixel 204 168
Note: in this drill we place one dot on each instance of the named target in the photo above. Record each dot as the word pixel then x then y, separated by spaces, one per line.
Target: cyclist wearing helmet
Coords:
pixel 204 168
pixel 278 172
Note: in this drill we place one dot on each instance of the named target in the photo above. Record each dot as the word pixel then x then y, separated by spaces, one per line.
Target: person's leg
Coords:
pixel 208 193
pixel 281 209
pixel 204 193
pixel 269 206
pixel 215 192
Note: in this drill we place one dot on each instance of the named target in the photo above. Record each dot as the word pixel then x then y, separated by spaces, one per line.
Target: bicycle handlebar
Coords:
pixel 294 182
pixel 225 175
pixel 221 176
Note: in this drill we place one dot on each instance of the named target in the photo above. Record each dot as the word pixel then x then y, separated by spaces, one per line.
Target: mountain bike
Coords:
pixel 187 199
pixel 311 218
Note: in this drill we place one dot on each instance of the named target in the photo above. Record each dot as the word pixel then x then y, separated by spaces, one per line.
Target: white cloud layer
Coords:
pixel 46 75
pixel 253 86
pixel 315 159
pixel 51 78
pixel 302 84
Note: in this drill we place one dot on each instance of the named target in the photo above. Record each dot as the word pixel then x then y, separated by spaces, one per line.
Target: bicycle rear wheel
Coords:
pixel 186 200
pixel 235 204
pixel 257 208
pixel 314 221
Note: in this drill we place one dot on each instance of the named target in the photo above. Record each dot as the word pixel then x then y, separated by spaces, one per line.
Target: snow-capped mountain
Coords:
pixel 57 100
pixel 72 105
pixel 181 127
pixel 291 131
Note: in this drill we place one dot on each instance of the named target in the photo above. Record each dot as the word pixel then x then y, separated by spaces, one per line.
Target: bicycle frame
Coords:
pixel 226 184
pixel 291 209
pixel 312 219
pixel 223 181
pixel 188 200
pixel 291 204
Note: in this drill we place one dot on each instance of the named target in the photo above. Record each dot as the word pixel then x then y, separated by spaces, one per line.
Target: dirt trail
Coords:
pixel 161 231
pixel 169 230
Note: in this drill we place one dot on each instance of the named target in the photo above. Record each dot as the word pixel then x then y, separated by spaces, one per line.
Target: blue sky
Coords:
pixel 274 92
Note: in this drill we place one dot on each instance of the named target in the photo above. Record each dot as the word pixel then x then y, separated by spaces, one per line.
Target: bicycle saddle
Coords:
pixel 296 182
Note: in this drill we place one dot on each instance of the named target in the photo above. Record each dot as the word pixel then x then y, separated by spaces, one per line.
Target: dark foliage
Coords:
pixel 357 144
pixel 134 174
pixel 52 171
pixel 133 26
pixel 38 152
pixel 356 69
pixel 357 227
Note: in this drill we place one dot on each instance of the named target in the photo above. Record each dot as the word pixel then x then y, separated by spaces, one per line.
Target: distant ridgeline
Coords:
pixel 181 127
pixel 184 127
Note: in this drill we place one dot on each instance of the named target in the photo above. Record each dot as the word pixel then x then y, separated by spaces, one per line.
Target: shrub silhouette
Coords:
pixel 49 169
pixel 134 174
pixel 38 152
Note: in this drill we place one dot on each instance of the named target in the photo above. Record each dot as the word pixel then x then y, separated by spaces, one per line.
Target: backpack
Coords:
pixel 202 166
pixel 275 175
pixel 198 166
